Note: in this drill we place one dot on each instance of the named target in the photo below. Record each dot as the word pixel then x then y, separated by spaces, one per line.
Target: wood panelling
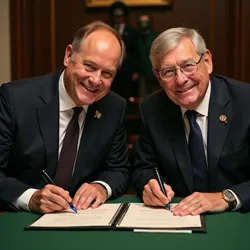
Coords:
pixel 41 53
pixel 243 40
pixel 53 35
pixel 41 30
pixel 247 41
pixel 30 37
pixel 229 52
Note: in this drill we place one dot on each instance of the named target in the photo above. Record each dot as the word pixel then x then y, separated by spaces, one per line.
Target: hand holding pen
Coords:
pixel 161 185
pixel 50 181
pixel 155 196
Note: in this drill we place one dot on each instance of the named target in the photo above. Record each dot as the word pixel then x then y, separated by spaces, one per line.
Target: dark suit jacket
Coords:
pixel 123 84
pixel 163 142
pixel 29 122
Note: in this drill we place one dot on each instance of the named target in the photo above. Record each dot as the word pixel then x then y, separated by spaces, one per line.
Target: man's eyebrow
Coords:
pixel 190 59
pixel 167 67
pixel 113 70
pixel 89 61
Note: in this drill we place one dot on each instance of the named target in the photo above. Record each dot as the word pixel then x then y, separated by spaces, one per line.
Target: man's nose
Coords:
pixel 180 76
pixel 96 76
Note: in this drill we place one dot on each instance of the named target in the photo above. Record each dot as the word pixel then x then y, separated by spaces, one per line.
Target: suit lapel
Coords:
pixel 219 105
pixel 176 133
pixel 48 120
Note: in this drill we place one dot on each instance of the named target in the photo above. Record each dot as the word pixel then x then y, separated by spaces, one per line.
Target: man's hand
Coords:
pixel 153 196
pixel 88 193
pixel 198 203
pixel 49 199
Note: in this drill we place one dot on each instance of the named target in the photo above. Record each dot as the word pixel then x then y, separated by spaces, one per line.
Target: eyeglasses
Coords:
pixel 187 69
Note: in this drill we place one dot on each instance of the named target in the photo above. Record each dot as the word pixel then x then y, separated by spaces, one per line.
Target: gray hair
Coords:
pixel 85 31
pixel 170 39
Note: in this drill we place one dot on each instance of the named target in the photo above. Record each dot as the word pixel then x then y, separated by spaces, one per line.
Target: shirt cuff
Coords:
pixel 106 186
pixel 238 202
pixel 23 200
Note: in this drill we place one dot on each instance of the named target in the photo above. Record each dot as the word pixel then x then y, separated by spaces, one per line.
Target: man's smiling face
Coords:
pixel 90 72
pixel 186 91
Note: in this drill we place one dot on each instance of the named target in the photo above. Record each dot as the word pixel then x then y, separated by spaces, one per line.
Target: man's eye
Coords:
pixel 88 67
pixel 107 74
pixel 189 66
pixel 168 71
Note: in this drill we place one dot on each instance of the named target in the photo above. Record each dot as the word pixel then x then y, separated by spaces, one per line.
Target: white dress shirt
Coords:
pixel 120 28
pixel 66 106
pixel 202 120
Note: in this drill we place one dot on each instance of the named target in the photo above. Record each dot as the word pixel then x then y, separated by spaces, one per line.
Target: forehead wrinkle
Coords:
pixel 184 51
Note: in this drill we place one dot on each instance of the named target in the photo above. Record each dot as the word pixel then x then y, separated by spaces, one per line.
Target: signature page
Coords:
pixel 139 215
pixel 100 216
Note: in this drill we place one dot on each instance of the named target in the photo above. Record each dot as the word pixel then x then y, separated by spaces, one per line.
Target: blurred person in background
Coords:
pixel 126 79
pixel 147 80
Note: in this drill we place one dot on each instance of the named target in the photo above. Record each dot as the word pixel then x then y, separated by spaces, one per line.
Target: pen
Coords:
pixel 161 185
pixel 50 181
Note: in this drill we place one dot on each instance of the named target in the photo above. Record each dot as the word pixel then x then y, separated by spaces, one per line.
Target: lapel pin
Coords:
pixel 223 118
pixel 98 115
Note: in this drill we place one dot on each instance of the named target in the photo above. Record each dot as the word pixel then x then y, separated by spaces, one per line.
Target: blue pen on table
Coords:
pixel 50 181
pixel 161 185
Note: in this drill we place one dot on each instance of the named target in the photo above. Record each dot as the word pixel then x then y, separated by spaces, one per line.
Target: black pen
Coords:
pixel 161 185
pixel 50 181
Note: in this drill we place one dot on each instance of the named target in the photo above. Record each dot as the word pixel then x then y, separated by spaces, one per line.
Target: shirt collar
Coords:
pixel 65 101
pixel 203 106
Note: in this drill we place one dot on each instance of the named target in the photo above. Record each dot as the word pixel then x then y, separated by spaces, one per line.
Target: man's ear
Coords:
pixel 67 56
pixel 208 61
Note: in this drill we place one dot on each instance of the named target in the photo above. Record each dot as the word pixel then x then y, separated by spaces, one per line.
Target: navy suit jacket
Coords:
pixel 29 135
pixel 163 143
pixel 123 84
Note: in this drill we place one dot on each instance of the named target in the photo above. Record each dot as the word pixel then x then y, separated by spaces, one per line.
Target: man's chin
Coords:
pixel 91 98
pixel 188 104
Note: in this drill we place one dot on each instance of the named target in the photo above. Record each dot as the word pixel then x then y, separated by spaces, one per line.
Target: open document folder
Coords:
pixel 120 216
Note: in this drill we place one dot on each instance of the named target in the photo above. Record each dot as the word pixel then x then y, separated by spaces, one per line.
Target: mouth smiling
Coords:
pixel 185 89
pixel 88 88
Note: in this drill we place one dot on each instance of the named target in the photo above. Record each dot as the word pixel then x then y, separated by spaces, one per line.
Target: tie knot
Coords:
pixel 77 111
pixel 191 115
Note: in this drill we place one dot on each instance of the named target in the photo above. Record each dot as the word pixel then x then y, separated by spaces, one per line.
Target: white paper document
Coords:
pixel 127 216
pixel 101 216
pixel 139 215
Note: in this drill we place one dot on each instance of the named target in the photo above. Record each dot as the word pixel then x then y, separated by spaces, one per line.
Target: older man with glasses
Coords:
pixel 195 131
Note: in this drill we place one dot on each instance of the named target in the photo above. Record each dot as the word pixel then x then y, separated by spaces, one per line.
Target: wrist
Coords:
pixel 102 189
pixel 230 199
pixel 33 202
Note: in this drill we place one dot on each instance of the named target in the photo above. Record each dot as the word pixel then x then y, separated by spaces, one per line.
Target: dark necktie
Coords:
pixel 197 153
pixel 68 152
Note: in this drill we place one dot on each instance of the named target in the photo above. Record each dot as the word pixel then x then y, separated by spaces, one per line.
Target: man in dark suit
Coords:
pixel 35 115
pixel 126 79
pixel 195 131
pixel 148 81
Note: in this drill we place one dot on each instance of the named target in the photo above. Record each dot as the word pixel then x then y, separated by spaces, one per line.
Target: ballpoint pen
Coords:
pixel 161 185
pixel 50 181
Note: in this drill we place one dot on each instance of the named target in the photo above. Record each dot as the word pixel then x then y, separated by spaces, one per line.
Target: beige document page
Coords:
pixel 140 216
pixel 100 216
